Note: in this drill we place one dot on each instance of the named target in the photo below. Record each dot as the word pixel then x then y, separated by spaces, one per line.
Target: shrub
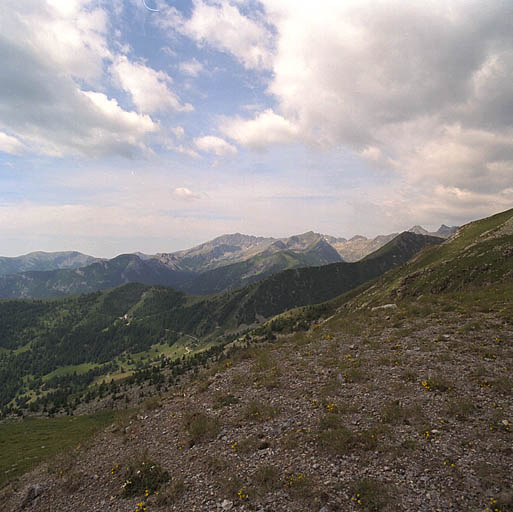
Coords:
pixel 301 486
pixel 354 375
pixel 370 494
pixel 248 445
pixel 225 400
pixel 152 403
pixel 201 427
pixel 503 385
pixel 171 492
pixel 142 476
pixel 267 478
pixel 394 412
pixel 409 376
pixel 270 380
pixel 337 438
pixel 231 485
pixel 259 411
pixel 437 383
pixel 460 408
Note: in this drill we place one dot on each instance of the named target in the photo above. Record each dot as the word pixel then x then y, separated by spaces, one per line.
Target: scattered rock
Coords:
pixel 227 505
pixel 384 306
pixel 30 493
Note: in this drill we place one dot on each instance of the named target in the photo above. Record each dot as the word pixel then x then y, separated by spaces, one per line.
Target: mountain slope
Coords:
pixel 225 263
pixel 478 255
pixel 220 251
pixel 36 261
pixel 312 285
pixel 277 257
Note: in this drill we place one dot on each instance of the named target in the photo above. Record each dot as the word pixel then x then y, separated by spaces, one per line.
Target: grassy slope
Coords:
pixel 465 264
pixel 26 444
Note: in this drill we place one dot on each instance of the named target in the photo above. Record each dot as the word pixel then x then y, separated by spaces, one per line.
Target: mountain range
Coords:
pixel 225 263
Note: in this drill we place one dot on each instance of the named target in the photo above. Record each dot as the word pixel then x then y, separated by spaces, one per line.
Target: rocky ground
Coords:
pixel 401 410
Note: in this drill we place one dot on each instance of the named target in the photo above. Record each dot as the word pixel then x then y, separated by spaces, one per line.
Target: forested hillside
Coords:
pixel 99 333
pixel 100 275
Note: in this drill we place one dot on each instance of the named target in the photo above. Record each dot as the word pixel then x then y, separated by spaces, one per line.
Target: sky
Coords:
pixel 155 125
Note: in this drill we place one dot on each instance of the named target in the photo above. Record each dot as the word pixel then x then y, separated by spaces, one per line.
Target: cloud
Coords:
pixel 52 95
pixel 185 193
pixel 10 144
pixel 222 26
pixel 216 145
pixel 422 89
pixel 479 160
pixel 265 129
pixel 443 204
pixel 129 124
pixel 148 88
pixel 170 142
pixel 184 150
pixel 426 83
pixel 191 67
pixel 374 155
pixel 178 131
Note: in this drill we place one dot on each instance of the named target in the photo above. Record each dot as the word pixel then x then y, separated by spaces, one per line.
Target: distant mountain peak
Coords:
pixel 442 232
pixel 447 230
pixel 41 260
pixel 236 238
pixel 419 230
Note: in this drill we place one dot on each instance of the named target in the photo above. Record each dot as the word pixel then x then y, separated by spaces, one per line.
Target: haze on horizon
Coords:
pixel 130 127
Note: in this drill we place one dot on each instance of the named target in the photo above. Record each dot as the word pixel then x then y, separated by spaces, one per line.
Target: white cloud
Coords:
pixel 265 129
pixel 216 145
pixel 184 150
pixel 148 88
pixel 129 124
pixel 169 51
pixel 477 160
pixel 10 144
pixel 221 25
pixel 69 36
pixel 191 67
pixel 52 95
pixel 421 88
pixel 185 193
pixel 178 131
pixel 454 203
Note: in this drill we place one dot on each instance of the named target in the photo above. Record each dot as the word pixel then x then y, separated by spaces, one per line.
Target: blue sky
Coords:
pixel 124 128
